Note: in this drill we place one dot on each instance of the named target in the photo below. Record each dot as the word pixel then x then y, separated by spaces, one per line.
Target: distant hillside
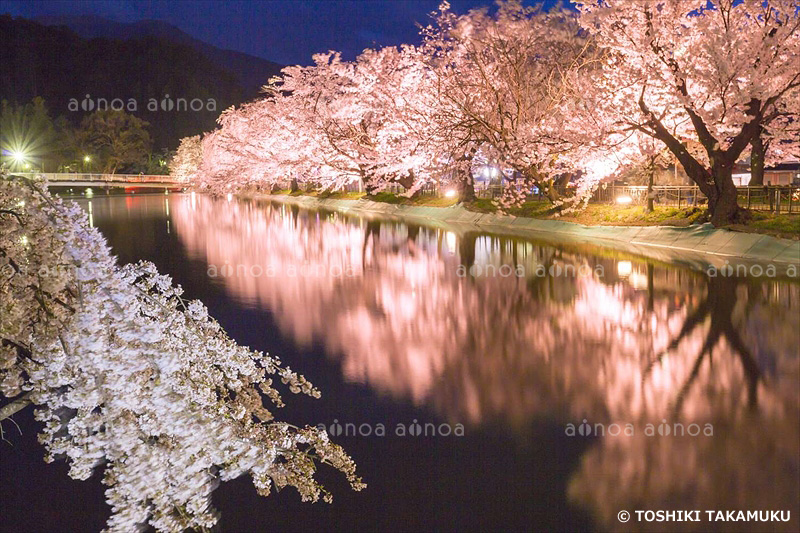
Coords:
pixel 252 71
pixel 57 64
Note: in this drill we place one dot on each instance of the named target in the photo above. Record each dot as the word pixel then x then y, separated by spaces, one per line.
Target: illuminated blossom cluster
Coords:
pixel 557 100
pixel 187 159
pixel 480 90
pixel 705 79
pixel 129 377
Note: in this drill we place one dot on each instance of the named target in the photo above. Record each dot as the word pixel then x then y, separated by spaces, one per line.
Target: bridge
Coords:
pixel 81 180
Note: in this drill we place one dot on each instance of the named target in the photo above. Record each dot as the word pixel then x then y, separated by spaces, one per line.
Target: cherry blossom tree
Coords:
pixel 187 159
pixel 324 103
pixel 330 125
pixel 400 89
pixel 129 376
pixel 550 97
pixel 507 84
pixel 365 121
pixel 234 156
pixel 479 88
pixel 710 74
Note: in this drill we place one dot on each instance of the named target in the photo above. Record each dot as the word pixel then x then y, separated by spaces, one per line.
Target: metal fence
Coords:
pixel 774 198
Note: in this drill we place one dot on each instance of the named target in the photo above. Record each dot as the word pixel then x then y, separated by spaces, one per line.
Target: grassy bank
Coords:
pixel 783 225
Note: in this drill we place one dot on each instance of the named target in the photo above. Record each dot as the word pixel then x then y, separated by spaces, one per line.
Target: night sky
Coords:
pixel 287 32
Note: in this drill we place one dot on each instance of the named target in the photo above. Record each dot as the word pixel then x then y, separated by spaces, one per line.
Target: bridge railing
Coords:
pixel 101 178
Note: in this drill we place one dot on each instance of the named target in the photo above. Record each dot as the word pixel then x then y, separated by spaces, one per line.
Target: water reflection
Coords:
pixel 431 316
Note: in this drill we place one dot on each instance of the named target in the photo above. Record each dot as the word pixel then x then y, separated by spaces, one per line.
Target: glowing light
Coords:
pixel 89 192
pixel 24 240
pixel 624 199
pixel 624 269
pixel 601 168
pixel 638 280
pixel 450 241
pixel 19 157
pixel 87 159
pixel 489 172
pixel 450 193
pixel 230 197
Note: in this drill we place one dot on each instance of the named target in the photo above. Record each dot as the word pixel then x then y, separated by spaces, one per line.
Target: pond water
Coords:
pixel 479 382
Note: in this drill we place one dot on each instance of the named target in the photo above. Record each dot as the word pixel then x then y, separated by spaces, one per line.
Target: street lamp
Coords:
pixel 624 199
pixel 19 158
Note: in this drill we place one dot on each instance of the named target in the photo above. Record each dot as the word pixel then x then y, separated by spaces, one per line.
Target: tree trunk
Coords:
pixel 369 188
pixel 723 202
pixel 717 184
pixel 650 180
pixel 549 188
pixel 466 193
pixel 560 184
pixel 407 181
pixel 725 210
pixel 466 185
pixel 466 250
pixel 294 186
pixel 757 153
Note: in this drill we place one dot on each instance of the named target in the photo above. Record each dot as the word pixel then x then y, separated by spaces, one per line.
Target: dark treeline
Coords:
pixel 174 88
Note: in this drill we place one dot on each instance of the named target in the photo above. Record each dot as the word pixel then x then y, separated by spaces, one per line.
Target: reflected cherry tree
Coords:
pixel 391 302
pixel 739 377
pixel 429 315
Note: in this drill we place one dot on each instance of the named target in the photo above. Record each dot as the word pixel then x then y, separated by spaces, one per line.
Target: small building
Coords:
pixel 780 174
pixel 783 174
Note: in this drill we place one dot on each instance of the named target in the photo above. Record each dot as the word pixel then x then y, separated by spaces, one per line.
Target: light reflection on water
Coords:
pixel 614 340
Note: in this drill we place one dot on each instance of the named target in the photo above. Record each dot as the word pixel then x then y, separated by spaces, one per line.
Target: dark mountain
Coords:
pixel 176 88
pixel 252 71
